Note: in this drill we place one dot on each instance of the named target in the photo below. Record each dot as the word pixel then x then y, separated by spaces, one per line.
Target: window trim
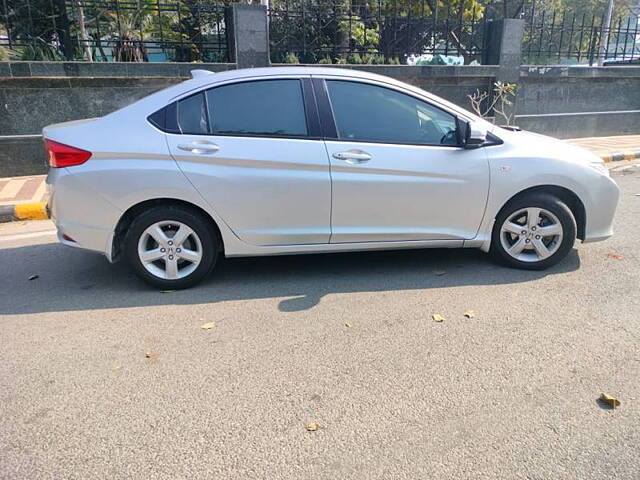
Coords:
pixel 330 120
pixel 328 127
pixel 312 120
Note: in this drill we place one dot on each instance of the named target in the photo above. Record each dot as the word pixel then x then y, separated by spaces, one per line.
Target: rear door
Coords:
pixel 253 150
pixel 398 170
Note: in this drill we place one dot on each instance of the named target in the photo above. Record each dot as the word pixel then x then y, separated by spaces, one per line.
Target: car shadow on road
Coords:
pixel 74 280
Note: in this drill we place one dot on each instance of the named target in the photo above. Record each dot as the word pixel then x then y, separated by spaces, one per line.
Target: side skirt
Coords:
pixel 250 251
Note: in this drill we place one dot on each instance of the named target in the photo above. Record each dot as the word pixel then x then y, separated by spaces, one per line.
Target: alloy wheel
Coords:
pixel 170 250
pixel 531 234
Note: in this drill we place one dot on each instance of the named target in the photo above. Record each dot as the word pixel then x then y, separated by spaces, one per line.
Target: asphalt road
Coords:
pixel 101 377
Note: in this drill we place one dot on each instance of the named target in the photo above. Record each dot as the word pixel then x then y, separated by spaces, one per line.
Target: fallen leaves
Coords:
pixel 312 426
pixel 208 325
pixel 440 318
pixel 348 325
pixel 614 256
pixel 613 402
pixel 151 356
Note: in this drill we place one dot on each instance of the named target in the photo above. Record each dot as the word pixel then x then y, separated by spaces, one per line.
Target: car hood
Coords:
pixel 538 145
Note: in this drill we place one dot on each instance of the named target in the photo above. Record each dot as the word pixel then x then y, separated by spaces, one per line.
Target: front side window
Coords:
pixel 368 113
pixel 265 107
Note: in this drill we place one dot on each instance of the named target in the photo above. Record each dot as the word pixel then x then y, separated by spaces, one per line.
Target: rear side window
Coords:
pixel 192 115
pixel 268 107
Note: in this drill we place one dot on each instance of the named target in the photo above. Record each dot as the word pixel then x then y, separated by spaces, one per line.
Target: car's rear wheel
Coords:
pixel 171 247
pixel 533 232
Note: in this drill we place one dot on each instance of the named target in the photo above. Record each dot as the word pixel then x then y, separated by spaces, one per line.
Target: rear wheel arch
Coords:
pixel 563 194
pixel 135 210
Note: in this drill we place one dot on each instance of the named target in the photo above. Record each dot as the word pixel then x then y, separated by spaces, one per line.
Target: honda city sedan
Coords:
pixel 298 160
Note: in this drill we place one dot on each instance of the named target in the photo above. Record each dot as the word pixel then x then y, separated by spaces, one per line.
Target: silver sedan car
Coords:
pixel 304 160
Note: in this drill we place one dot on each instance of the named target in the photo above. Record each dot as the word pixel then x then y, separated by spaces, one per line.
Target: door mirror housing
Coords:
pixel 474 134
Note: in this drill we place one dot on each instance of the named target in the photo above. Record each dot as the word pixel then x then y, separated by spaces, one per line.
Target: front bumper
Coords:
pixel 601 209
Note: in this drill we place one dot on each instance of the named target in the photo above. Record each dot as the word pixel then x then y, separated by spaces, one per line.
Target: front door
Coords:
pixel 248 150
pixel 397 171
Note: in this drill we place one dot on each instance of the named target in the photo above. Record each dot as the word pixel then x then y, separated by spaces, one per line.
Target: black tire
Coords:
pixel 534 200
pixel 194 220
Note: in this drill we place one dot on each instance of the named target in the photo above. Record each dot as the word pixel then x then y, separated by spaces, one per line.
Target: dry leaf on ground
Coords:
pixel 469 314
pixel 437 317
pixel 312 426
pixel 609 400
pixel 208 325
pixel 614 256
pixel 348 325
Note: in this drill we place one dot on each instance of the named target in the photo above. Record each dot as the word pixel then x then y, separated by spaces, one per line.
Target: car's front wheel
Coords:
pixel 533 232
pixel 171 247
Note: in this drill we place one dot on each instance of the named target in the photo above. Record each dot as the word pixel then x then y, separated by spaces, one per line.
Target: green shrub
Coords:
pixel 291 58
pixel 372 59
pixel 354 58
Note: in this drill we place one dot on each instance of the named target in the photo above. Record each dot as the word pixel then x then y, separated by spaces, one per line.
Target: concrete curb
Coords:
pixel 24 211
pixel 617 157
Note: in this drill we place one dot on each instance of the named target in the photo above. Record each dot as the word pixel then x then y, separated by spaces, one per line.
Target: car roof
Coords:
pixel 201 79
pixel 292 70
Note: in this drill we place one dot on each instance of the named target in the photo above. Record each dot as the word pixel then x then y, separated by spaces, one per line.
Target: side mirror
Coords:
pixel 474 134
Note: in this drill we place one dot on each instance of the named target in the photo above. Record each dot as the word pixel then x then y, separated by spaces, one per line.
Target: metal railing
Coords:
pixel 311 31
pixel 554 37
pixel 114 30
pixel 380 31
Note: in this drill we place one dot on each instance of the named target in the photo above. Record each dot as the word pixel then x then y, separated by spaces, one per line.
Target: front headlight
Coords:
pixel 600 167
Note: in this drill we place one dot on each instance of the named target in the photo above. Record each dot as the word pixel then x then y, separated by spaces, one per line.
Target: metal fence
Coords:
pixel 309 31
pixel 554 37
pixel 113 30
pixel 361 31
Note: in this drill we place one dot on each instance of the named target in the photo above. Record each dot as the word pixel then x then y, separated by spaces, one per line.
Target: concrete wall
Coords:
pixel 561 101
pixel 36 94
pixel 569 102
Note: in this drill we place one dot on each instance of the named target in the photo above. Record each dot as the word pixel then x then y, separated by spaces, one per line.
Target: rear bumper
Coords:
pixel 83 218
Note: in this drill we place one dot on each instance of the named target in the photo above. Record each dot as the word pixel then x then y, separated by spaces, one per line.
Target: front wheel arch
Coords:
pixel 130 214
pixel 561 193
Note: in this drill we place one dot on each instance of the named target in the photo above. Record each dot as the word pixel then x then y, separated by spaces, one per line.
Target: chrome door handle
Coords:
pixel 199 147
pixel 352 156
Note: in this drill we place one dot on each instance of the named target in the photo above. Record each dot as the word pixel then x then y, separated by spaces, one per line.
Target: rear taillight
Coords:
pixel 61 155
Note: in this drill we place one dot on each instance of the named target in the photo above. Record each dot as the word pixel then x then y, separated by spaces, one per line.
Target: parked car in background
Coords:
pixel 305 160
